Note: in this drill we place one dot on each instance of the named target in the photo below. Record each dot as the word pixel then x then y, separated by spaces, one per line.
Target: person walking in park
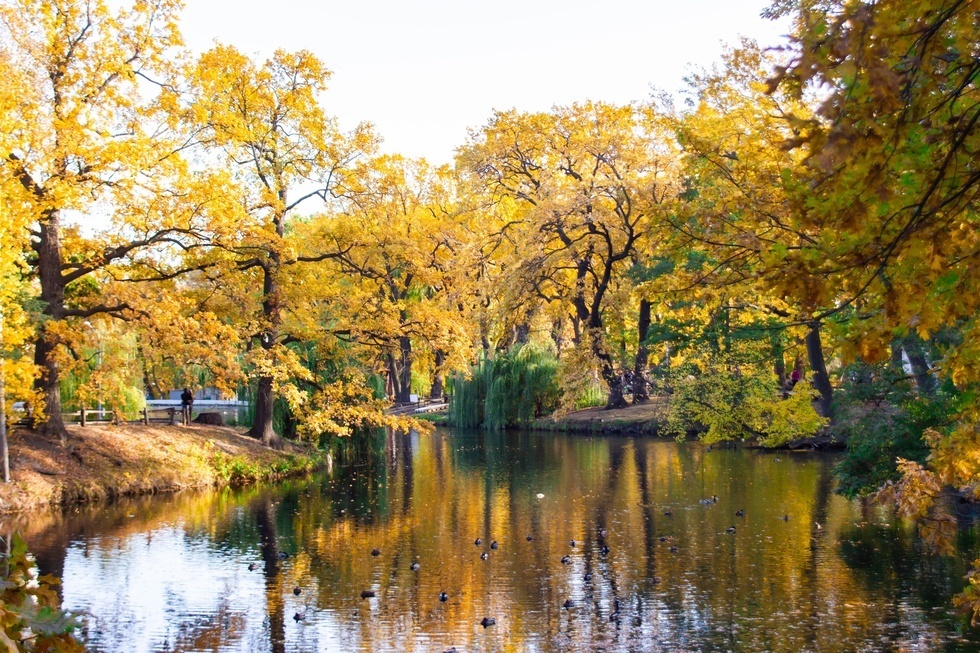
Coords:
pixel 186 402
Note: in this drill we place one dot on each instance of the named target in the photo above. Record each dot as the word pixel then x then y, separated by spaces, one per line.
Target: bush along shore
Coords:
pixel 103 462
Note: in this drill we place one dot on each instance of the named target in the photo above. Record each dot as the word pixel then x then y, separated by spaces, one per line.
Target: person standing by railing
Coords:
pixel 186 402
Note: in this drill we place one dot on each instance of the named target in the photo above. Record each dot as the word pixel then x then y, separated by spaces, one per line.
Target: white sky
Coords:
pixel 425 71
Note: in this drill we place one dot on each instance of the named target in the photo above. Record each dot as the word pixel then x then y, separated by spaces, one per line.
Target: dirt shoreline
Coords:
pixel 641 419
pixel 648 419
pixel 103 462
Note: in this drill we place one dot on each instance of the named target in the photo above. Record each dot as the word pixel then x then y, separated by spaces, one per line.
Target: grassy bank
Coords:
pixel 644 419
pixel 102 462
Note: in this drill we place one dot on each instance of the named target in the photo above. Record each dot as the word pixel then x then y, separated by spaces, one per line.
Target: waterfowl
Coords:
pixel 588 577
pixel 602 533
pixel 494 545
pixel 252 566
pixel 484 555
pixel 375 552
pixel 730 530
pixel 478 541
pixel 443 597
pixel 668 513
pixel 568 604
pixel 705 502
pixel 299 616
pixel 283 555
pixel 604 550
pixel 739 513
pixel 673 549
pixel 528 538
pixel 572 544
pixel 297 591
pixel 714 498
pixel 566 560
pixel 785 517
pixel 367 594
pixel 488 621
pixel 415 566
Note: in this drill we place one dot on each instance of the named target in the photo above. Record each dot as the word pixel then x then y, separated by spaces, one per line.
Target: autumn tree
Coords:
pixel 264 122
pixel 586 183
pixel 89 144
pixel 407 267
pixel 750 252
pixel 16 366
pixel 892 150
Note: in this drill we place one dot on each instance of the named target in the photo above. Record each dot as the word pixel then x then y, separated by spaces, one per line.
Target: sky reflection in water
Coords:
pixel 172 573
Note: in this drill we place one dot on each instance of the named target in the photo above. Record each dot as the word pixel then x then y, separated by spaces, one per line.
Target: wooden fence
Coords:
pixel 147 416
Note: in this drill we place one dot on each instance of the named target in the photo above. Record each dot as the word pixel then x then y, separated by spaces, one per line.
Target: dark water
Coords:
pixel 172 573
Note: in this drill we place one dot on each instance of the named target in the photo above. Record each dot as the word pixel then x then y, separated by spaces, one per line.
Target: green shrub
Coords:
pixel 878 433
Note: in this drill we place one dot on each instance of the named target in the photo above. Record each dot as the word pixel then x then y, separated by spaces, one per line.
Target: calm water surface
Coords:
pixel 172 573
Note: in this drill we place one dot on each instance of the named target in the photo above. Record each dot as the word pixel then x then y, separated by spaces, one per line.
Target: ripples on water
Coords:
pixel 172 573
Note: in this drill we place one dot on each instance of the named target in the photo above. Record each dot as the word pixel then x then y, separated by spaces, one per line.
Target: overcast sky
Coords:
pixel 425 71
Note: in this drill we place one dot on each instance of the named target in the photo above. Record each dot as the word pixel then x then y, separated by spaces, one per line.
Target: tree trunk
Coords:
pixel 821 380
pixel 265 396
pixel 779 359
pixel 613 379
pixel 557 335
pixel 48 249
pixel 405 371
pixel 640 392
pixel 896 362
pixel 437 383
pixel 924 380
pixel 522 333
pixel 393 386
pixel 265 400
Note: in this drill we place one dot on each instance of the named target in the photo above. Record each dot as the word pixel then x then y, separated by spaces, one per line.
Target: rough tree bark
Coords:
pixel 404 370
pixel 49 266
pixel 641 394
pixel 272 312
pixel 438 386
pixel 821 380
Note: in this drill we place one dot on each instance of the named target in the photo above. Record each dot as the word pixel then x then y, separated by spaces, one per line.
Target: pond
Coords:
pixel 283 568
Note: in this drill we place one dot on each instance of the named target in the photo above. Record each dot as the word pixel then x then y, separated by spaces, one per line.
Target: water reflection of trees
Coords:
pixel 775 585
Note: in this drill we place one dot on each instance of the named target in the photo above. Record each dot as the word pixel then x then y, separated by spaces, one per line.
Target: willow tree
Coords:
pixel 87 144
pixel 589 183
pixel 264 121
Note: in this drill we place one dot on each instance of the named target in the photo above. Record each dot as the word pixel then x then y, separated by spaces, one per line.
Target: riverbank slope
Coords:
pixel 101 462
pixel 641 419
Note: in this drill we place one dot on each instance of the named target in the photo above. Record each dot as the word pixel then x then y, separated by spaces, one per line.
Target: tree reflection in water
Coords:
pixel 171 573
